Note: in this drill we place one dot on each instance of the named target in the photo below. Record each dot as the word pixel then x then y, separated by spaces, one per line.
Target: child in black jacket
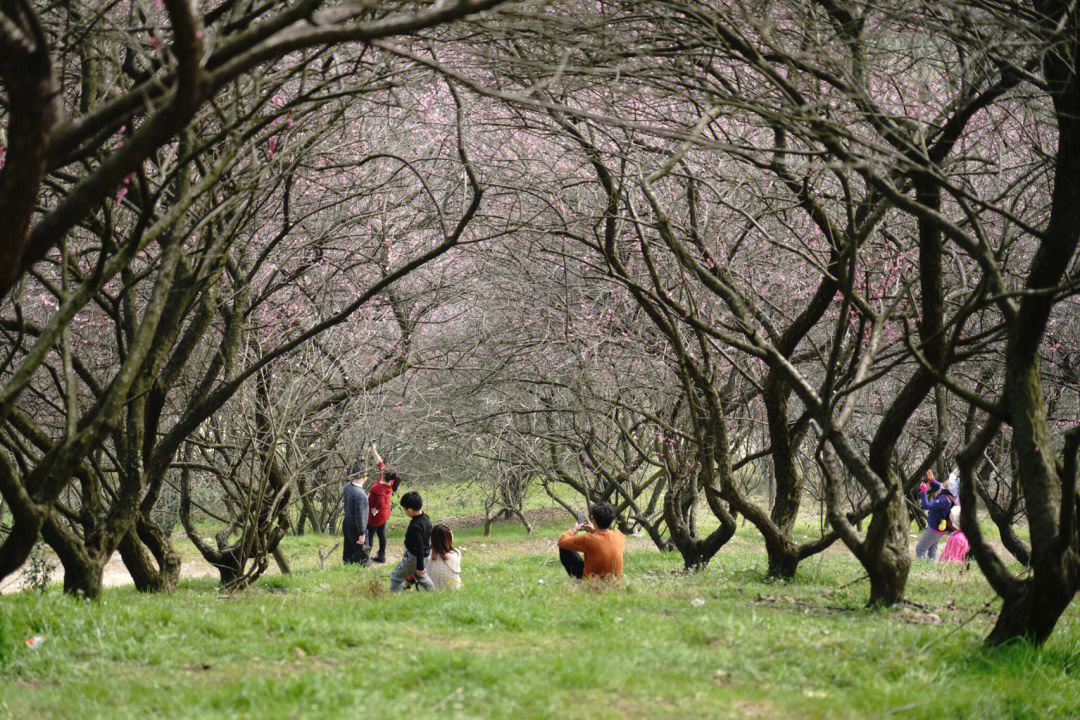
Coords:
pixel 417 540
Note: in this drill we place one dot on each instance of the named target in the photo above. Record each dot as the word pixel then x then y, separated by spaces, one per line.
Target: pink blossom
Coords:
pixel 124 187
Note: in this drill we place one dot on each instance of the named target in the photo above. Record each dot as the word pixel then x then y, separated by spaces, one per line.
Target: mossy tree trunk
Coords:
pixel 1034 602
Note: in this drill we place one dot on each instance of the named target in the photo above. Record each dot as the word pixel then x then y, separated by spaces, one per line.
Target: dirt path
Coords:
pixel 115 574
pixel 479 548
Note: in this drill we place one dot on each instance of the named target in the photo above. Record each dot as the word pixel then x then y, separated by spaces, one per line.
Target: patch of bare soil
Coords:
pixel 482 549
pixel 115 574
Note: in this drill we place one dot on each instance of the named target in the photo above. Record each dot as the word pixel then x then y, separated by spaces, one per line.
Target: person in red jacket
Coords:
pixel 379 505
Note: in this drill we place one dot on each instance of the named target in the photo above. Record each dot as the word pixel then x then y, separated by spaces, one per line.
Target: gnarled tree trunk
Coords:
pixel 150 557
pixel 886 558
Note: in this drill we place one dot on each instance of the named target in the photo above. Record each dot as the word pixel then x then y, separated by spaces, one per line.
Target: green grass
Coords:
pixel 331 644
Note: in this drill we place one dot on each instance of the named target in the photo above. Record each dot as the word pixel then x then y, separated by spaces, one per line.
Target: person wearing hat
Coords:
pixel 937 504
pixel 354 522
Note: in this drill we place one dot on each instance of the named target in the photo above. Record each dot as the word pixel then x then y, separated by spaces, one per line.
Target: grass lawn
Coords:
pixel 522 641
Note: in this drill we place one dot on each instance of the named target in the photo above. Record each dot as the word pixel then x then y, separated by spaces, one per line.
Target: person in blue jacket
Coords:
pixel 937 504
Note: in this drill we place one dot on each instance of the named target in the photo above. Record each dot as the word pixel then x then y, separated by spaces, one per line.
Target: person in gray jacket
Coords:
pixel 354 525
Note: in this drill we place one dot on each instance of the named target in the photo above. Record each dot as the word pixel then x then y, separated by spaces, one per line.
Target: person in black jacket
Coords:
pixel 354 525
pixel 417 546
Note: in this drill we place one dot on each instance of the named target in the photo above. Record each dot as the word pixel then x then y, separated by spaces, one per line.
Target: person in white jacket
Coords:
pixel 444 567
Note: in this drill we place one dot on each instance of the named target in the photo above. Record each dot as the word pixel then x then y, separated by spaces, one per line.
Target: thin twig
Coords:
pixel 448 698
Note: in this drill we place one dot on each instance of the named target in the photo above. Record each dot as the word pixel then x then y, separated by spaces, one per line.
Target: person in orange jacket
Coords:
pixel 602 546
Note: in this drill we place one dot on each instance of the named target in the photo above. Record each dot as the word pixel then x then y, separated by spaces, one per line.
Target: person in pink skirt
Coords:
pixel 957 546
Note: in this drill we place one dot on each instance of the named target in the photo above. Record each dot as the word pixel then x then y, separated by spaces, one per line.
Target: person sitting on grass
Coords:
pixel 445 566
pixel 353 525
pixel 957 546
pixel 417 541
pixel 601 544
